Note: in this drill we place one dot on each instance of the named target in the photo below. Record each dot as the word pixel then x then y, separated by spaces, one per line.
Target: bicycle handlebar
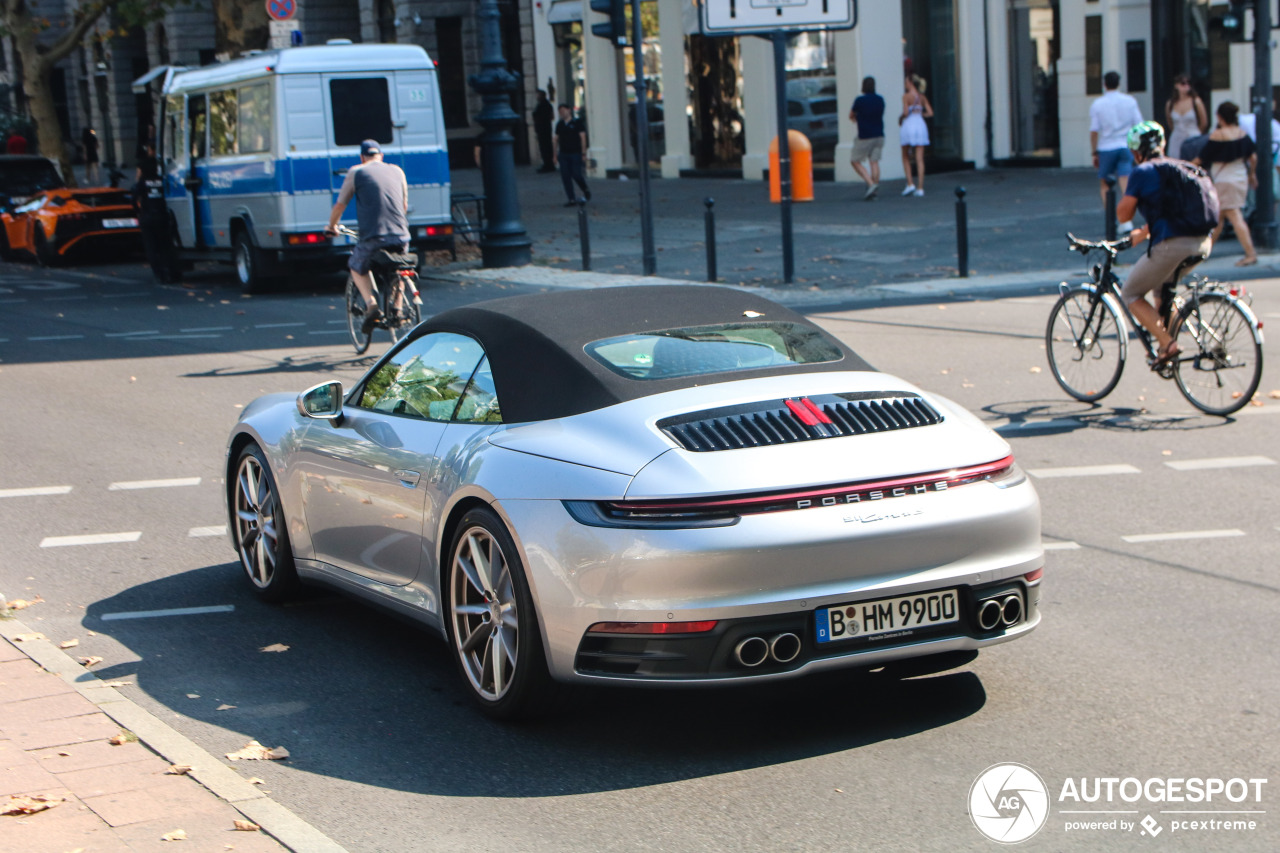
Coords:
pixel 1112 247
pixel 345 231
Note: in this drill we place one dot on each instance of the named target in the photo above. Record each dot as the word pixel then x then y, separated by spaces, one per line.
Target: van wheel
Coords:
pixel 248 263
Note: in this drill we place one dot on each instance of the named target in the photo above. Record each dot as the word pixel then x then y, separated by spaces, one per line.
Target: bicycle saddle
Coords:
pixel 398 260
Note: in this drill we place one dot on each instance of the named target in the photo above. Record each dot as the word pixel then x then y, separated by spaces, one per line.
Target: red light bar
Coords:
pixel 652 627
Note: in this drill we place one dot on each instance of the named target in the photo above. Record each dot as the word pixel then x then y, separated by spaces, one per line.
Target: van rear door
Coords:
pixel 361 106
pixel 421 135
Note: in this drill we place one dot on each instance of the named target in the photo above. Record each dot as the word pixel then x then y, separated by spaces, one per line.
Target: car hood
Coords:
pixel 627 439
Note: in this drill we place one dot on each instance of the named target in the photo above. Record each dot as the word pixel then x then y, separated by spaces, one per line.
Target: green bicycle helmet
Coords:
pixel 1146 137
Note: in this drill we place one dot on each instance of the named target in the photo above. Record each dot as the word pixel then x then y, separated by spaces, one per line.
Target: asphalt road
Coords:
pixel 1156 657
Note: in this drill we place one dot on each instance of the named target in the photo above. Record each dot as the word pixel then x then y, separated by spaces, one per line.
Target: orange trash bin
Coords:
pixel 801 168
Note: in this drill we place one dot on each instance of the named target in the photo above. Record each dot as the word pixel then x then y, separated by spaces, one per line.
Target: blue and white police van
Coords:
pixel 253 151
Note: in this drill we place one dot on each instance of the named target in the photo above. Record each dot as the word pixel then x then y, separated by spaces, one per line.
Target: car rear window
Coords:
pixel 28 178
pixel 105 199
pixel 698 350
pixel 822 106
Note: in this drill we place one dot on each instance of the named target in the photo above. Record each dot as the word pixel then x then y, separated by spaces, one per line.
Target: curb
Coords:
pixel 274 819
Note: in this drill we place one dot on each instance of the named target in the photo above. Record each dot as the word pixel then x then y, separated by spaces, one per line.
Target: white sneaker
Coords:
pixel 919 193
pixel 909 189
pixel 872 189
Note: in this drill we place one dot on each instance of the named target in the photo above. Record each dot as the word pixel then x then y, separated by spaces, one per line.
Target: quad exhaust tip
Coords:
pixel 989 614
pixel 784 648
pixel 753 651
pixel 1000 612
pixel 1010 611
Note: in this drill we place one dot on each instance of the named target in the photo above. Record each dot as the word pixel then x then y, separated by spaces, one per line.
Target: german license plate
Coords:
pixel 120 223
pixel 863 619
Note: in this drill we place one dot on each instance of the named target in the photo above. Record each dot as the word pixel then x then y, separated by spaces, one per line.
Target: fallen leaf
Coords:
pixel 1236 395
pixel 274 647
pixel 246 826
pixel 117 684
pixel 255 781
pixel 69 644
pixel 966 384
pixel 27 638
pixel 162 307
pixel 1035 370
pixel 176 835
pixel 193 695
pixel 839 790
pixel 254 751
pixel 92 660
pixel 1166 452
pixel 117 740
pixel 23 604
pixel 1141 398
pixel 224 707
pixel 28 804
pixel 942 308
pixel 946 370
pixel 178 770
pixel 1274 395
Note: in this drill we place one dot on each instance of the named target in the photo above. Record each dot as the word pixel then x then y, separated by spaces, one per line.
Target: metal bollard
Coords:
pixel 1110 205
pixel 962 233
pixel 710 218
pixel 584 235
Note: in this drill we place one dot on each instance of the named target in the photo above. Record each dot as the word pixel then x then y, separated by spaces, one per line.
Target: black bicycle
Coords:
pixel 1220 363
pixel 395 287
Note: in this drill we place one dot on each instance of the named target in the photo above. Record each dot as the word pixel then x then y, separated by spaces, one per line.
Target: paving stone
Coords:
pixel 22 774
pixel 97 753
pixel 8 651
pixel 23 679
pixel 205 832
pixel 129 807
pixel 64 828
pixel 115 778
pixel 72 730
pixel 45 708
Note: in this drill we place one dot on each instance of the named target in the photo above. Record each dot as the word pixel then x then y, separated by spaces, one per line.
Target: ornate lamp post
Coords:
pixel 503 242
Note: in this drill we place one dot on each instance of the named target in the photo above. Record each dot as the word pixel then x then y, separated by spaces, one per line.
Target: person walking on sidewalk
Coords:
pixel 868 114
pixel 89 139
pixel 1184 114
pixel 543 114
pixel 913 132
pixel 1231 159
pixel 1110 118
pixel 571 146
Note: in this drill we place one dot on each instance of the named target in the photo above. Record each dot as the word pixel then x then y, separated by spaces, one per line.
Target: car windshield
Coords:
pixel 28 177
pixel 673 353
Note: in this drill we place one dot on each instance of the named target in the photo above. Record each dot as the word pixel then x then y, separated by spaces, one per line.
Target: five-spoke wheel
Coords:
pixel 261 536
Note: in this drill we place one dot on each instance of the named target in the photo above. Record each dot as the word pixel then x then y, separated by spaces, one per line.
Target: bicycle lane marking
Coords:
pixel 1082 471
pixel 1182 535
pixel 1220 462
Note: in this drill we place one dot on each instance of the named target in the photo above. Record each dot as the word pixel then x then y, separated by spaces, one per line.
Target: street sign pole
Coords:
pixel 649 256
pixel 1264 228
pixel 784 153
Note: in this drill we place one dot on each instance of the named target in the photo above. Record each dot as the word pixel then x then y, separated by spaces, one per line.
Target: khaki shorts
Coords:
pixel 1154 269
pixel 867 149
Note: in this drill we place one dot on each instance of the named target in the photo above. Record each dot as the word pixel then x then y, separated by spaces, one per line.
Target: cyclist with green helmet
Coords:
pixel 1171 240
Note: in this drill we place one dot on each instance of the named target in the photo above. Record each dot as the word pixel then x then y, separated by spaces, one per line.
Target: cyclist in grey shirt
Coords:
pixel 382 203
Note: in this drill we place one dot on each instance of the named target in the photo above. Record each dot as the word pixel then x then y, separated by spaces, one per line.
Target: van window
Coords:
pixel 172 127
pixel 255 119
pixel 196 126
pixel 222 122
pixel 361 110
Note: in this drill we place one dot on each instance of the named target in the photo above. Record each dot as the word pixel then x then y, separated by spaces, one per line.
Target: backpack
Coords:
pixel 1188 201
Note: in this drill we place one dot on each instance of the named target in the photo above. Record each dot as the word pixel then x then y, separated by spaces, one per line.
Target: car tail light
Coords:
pixel 653 627
pixel 309 238
pixel 1032 577
pixel 437 231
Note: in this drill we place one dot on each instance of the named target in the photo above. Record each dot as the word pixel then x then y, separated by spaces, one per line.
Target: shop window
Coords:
pixel 452 72
pixel 1093 55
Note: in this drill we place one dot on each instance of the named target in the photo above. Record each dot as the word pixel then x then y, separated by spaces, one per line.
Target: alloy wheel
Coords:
pixel 486 619
pixel 257 537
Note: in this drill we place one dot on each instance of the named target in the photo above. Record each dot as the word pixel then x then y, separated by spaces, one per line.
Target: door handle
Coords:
pixel 408 479
pixel 340 172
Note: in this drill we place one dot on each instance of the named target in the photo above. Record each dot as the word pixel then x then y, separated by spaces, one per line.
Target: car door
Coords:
pixel 365 477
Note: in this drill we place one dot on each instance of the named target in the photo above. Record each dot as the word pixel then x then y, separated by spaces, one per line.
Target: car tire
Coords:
pixel 491 622
pixel 6 252
pixel 46 255
pixel 261 532
pixel 248 263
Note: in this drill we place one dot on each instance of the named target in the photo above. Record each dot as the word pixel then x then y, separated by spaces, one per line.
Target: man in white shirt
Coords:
pixel 1110 118
pixel 1249 124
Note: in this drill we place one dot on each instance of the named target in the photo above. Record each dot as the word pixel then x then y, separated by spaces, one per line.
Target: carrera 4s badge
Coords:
pixel 869 517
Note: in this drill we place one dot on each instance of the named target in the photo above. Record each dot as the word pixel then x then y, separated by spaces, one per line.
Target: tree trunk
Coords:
pixel 240 26
pixel 35 83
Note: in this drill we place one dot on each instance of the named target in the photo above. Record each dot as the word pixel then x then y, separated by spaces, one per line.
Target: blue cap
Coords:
pixel 370 146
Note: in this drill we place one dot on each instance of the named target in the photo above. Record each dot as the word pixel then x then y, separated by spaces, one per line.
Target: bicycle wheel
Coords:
pixel 401 320
pixel 1086 342
pixel 1220 364
pixel 462 225
pixel 355 317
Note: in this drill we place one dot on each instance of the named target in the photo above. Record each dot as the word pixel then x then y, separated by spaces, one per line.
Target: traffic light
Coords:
pixel 1233 20
pixel 615 29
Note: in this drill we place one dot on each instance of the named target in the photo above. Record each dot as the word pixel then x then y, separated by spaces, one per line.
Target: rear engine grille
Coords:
pixel 798 419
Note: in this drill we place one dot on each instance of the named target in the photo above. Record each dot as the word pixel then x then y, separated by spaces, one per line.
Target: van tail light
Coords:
pixel 437 231
pixel 307 238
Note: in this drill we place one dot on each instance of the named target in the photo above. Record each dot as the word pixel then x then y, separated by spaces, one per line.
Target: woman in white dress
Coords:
pixel 913 132
pixel 1185 115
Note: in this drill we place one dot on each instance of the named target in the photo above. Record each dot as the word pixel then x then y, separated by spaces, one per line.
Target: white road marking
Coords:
pixel 175 611
pixel 329 332
pixel 1184 534
pixel 65 298
pixel 90 539
pixel 131 485
pixel 336 322
pixel 1220 462
pixel 34 491
pixel 57 338
pixel 215 530
pixel 277 325
pixel 122 295
pixel 1082 471
pixel 181 337
pixel 130 334
pixel 11 301
pixel 207 329
pixel 1060 546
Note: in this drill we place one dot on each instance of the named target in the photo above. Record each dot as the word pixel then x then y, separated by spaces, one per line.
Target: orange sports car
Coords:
pixel 53 223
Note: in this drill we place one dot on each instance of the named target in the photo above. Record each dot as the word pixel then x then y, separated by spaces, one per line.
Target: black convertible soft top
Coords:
pixel 535 343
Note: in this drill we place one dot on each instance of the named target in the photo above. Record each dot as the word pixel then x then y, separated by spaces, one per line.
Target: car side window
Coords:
pixel 424 378
pixel 479 402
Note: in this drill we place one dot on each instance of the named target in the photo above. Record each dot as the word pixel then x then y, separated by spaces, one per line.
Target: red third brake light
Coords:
pixel 652 627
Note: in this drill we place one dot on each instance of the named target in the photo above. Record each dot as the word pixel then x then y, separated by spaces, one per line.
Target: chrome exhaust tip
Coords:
pixel 751 652
pixel 1011 611
pixel 784 648
pixel 989 614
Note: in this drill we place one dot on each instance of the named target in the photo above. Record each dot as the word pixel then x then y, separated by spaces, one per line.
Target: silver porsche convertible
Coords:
pixel 652 485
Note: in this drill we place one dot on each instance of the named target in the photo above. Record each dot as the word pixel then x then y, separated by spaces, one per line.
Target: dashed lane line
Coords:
pixel 328 332
pixel 56 338
pixel 173 611
pixel 207 329
pixel 34 491
pixel 1183 535
pixel 1060 546
pixel 277 325
pixel 90 539
pixel 1220 462
pixel 1082 471
pixel 123 295
pixel 132 485
pixel 131 334
pixel 212 530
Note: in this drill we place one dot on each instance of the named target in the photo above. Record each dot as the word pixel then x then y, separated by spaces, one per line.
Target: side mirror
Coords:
pixel 324 401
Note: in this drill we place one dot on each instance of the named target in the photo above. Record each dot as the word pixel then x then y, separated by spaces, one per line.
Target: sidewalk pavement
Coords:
pixel 57 725
pixel 847 251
